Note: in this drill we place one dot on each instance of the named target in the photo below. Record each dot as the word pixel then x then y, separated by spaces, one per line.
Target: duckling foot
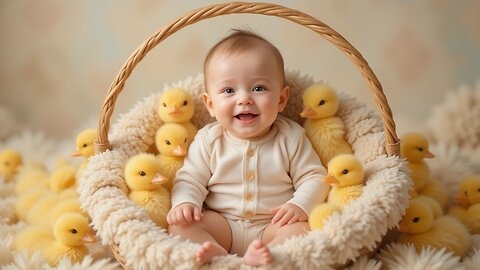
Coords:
pixel 257 254
pixel 208 250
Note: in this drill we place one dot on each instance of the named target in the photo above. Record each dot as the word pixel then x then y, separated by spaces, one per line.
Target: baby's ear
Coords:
pixel 208 104
pixel 285 93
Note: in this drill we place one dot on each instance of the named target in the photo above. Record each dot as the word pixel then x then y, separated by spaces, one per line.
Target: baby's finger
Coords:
pixel 285 218
pixel 180 218
pixel 187 214
pixel 197 213
pixel 278 215
pixel 173 218
pixel 294 219
pixel 275 210
pixel 169 220
pixel 303 217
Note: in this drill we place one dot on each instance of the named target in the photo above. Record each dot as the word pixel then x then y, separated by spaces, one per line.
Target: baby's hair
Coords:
pixel 240 41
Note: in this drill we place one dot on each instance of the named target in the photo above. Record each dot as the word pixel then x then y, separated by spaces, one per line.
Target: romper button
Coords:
pixel 248 214
pixel 250 197
pixel 250 176
pixel 250 153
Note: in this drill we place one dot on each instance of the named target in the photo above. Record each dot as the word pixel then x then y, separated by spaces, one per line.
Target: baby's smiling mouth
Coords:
pixel 245 116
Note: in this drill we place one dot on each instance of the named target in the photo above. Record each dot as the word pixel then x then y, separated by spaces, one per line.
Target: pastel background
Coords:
pixel 58 57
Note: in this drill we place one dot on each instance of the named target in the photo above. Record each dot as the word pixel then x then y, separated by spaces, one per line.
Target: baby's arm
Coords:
pixel 189 186
pixel 183 214
pixel 307 173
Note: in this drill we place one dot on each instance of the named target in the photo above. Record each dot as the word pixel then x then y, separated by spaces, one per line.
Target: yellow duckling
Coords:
pixel 414 147
pixel 32 238
pixel 27 200
pixel 325 131
pixel 346 175
pixel 172 144
pixel 419 228
pixel 66 206
pixel 437 210
pixel 31 179
pixel 84 145
pixel 63 178
pixel 142 175
pixel 468 212
pixel 177 106
pixel 39 212
pixel 71 232
pixel 10 160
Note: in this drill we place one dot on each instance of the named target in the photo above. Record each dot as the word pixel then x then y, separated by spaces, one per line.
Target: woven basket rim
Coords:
pixel 102 142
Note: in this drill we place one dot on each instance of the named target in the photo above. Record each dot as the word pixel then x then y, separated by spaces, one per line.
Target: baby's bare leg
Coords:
pixel 274 234
pixel 212 232
pixel 258 253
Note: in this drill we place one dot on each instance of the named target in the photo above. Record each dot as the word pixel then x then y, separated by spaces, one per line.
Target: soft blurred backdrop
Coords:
pixel 58 57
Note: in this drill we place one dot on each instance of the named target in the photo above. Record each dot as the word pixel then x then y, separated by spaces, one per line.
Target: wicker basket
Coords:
pixel 102 182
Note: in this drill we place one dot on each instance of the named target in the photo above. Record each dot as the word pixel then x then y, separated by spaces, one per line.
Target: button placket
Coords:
pixel 250 176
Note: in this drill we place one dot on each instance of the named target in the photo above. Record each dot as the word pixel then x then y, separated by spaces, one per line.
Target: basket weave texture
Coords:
pixel 139 244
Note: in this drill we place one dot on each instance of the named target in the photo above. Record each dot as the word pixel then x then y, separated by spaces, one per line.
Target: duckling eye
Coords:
pixel 466 193
pixel 142 173
pixel 168 142
pixel 84 145
pixel 321 102
pixel 164 105
pixel 416 219
pixel 185 140
pixel 73 231
pixel 185 103
pixel 345 171
pixel 478 190
pixel 420 149
pixel 7 163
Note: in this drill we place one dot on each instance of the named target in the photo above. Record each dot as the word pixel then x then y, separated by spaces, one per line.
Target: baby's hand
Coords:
pixel 288 213
pixel 184 214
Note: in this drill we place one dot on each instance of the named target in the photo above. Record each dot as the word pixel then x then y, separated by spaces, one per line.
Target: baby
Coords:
pixel 253 172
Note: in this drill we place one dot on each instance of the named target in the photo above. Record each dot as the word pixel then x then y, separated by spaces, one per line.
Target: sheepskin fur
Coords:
pixel 362 224
pixel 456 121
pixel 365 263
pixel 451 165
pixel 398 256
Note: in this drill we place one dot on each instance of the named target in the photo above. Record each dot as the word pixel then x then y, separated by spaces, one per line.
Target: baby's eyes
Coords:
pixel 228 91
pixel 258 88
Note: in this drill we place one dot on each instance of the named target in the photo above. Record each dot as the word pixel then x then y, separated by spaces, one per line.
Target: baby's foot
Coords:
pixel 257 254
pixel 208 250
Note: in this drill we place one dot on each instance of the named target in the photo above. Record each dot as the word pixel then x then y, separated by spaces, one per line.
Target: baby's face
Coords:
pixel 245 91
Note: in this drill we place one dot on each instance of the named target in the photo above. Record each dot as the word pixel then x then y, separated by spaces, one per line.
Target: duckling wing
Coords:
pixel 32 238
pixel 54 252
pixel 473 220
pixel 327 137
pixel 342 196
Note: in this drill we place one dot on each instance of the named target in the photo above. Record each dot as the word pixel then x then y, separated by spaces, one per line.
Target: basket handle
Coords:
pixel 392 145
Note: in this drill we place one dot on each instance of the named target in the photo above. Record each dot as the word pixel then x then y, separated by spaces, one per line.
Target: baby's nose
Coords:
pixel 244 99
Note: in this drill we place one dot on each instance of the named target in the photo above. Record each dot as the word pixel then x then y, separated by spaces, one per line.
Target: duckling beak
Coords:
pixel 429 155
pixel 89 238
pixel 402 227
pixel 76 153
pixel 179 151
pixel 330 179
pixel 174 110
pixel 308 112
pixel 461 199
pixel 159 179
